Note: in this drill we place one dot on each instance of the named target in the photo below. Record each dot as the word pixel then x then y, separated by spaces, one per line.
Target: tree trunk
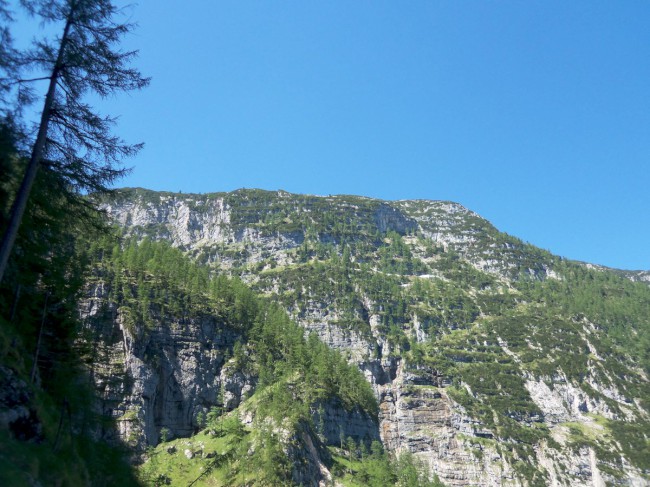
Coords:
pixel 38 342
pixel 14 304
pixel 20 203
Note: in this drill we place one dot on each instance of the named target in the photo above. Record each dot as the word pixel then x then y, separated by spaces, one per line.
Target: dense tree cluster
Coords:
pixel 150 281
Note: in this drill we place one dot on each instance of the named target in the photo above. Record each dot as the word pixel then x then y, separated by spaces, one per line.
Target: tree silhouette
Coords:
pixel 73 140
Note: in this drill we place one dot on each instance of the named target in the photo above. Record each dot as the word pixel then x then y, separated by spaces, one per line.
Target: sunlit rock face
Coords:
pixel 376 280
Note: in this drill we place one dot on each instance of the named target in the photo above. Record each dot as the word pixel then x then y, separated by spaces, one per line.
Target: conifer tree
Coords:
pixel 73 140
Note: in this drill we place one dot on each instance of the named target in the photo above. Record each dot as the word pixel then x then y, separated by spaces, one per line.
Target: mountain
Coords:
pixel 492 362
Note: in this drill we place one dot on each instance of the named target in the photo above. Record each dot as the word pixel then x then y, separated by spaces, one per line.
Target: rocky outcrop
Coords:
pixel 162 377
pixel 309 468
pixel 17 413
pixel 417 411
pixel 334 424
pixel 175 219
pixel 388 219
pixel 418 416
pixel 353 343
pixel 236 385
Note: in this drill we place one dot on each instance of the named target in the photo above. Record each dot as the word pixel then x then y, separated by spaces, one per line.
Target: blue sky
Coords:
pixel 534 114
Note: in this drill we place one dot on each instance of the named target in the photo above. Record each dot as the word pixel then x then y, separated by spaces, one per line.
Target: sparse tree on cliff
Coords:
pixel 73 140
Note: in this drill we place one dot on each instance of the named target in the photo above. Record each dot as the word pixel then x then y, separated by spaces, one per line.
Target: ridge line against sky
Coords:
pixel 535 115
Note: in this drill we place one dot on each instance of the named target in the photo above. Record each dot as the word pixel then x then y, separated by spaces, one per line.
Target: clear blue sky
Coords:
pixel 534 114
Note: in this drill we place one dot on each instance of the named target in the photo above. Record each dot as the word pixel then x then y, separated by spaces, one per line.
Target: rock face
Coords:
pixel 333 422
pixel 16 414
pixel 158 381
pixel 266 238
pixel 163 377
pixel 418 416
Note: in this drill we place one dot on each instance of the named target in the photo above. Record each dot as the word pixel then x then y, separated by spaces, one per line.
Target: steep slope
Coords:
pixel 174 350
pixel 493 361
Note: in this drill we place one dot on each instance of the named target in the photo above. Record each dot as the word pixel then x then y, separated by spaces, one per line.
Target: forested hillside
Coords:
pixel 258 337
pixel 276 429
pixel 46 395
pixel 264 338
pixel 60 384
pixel 493 361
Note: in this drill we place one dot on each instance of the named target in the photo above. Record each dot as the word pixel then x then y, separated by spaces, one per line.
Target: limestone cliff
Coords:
pixel 162 377
pixel 442 313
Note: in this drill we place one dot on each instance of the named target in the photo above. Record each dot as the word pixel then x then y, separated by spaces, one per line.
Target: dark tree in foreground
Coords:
pixel 42 182
pixel 73 140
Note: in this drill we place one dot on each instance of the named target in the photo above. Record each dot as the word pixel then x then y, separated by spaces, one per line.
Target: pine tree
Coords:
pixel 73 140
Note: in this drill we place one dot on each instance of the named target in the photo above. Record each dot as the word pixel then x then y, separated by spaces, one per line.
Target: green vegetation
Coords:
pixel 42 380
pixel 217 454
pixel 151 281
pixel 483 334
pixel 429 290
pixel 47 434
pixel 584 324
pixel 617 306
pixel 293 372
pixel 357 465
pixel 229 454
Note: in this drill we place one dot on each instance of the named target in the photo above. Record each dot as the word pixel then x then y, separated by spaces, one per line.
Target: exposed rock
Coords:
pixel 16 412
pixel 309 468
pixel 236 386
pixel 388 218
pixel 160 377
pixel 417 413
pixel 333 422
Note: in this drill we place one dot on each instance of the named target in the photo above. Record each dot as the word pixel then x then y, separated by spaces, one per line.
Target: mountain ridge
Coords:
pixel 631 273
pixel 489 357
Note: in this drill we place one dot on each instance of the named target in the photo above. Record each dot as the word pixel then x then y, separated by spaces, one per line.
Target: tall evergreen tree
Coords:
pixel 73 140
